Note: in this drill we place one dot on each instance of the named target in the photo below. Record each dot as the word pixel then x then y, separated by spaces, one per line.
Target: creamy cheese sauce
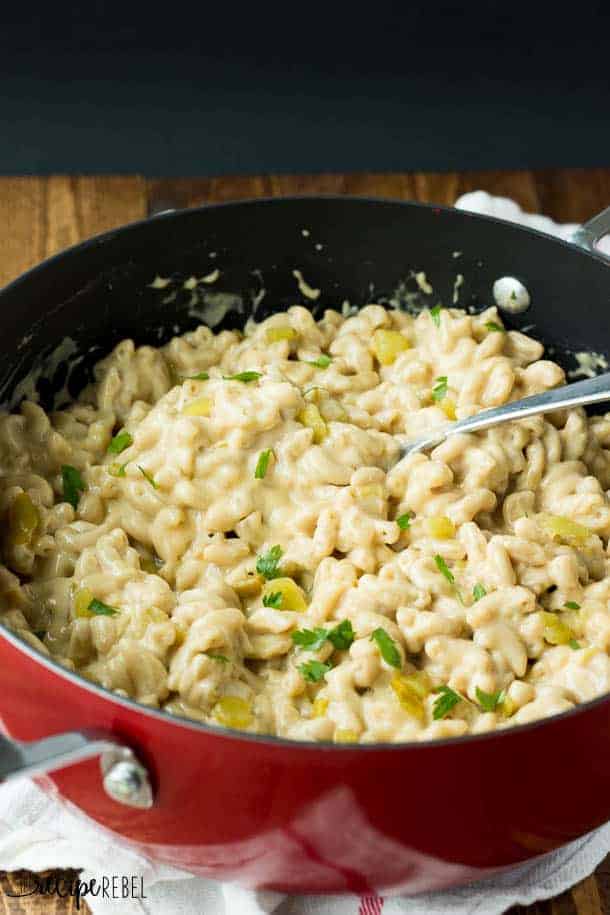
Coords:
pixel 589 365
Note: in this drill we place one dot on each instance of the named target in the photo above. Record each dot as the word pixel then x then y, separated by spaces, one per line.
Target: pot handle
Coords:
pixel 591 232
pixel 124 778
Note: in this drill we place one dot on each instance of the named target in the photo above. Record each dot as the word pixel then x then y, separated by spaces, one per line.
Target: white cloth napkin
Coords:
pixel 504 208
pixel 38 833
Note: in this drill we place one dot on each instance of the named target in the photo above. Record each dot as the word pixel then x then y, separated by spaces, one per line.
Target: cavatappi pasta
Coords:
pixel 217 528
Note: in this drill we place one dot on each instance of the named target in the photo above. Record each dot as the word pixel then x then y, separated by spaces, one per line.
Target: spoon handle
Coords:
pixel 591 390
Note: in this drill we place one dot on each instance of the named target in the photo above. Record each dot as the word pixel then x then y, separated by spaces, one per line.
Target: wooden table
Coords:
pixel 39 216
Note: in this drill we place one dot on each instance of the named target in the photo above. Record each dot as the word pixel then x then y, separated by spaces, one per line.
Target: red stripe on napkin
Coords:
pixel 370 905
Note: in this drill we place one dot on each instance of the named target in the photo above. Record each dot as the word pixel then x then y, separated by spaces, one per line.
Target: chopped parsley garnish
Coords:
pixel 340 636
pixel 262 464
pixel 310 639
pixel 148 477
pixel 117 470
pixel 217 657
pixel 489 701
pixel 273 600
pixel 101 609
pixel 313 671
pixel 440 388
pixel 387 647
pixel 322 362
pixel 513 296
pixel 443 568
pixel 267 564
pixel 571 605
pixel 574 645
pixel 478 591
pixel 120 442
pixel 246 377
pixel 73 484
pixel 446 700
pixel 404 521
pixel 494 326
pixel 435 314
pixel 200 376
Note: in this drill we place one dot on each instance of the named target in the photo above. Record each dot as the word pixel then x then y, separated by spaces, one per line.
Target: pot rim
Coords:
pixel 217 730
pixel 103 238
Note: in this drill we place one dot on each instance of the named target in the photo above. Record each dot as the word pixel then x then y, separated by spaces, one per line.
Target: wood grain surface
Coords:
pixel 40 216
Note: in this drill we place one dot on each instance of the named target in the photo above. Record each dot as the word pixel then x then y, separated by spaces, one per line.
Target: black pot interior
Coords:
pixel 356 250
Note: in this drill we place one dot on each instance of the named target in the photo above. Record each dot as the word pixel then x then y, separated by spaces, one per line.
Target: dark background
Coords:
pixel 209 89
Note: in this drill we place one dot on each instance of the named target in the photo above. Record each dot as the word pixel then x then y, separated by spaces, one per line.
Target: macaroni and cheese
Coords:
pixel 220 528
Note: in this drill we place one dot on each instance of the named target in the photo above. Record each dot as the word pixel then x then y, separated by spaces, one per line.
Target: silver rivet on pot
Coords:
pixel 125 779
pixel 511 295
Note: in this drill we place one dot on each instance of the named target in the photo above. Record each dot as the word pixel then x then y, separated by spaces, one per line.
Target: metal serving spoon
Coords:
pixel 592 390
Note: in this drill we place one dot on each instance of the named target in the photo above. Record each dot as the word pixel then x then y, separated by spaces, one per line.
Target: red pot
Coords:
pixel 279 814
